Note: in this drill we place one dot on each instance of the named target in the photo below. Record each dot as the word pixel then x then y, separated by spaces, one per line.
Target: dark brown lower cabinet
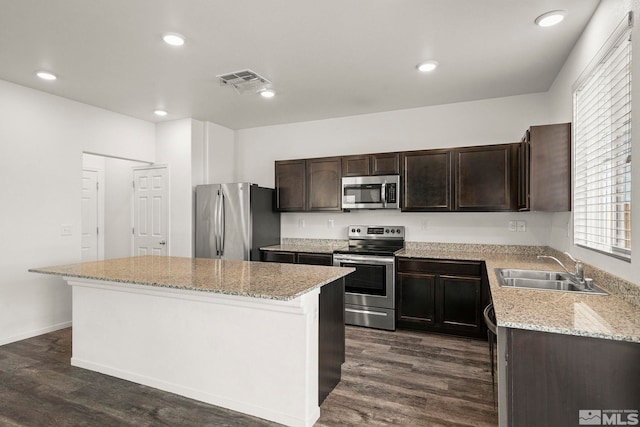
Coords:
pixel 553 379
pixel 441 296
pixel 296 257
pixel 331 336
pixel 277 256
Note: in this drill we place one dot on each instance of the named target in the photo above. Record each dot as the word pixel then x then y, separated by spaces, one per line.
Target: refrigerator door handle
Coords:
pixel 215 222
pixel 221 222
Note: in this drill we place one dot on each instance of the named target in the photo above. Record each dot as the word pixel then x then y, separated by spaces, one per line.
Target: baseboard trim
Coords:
pixel 34 333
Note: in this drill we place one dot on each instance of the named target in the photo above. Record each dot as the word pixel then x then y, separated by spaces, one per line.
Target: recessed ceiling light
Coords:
pixel 45 75
pixel 173 39
pixel 267 93
pixel 550 18
pixel 160 113
pixel 427 66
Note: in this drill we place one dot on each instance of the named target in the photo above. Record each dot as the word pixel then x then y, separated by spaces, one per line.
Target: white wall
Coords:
pixel 173 148
pixel 41 142
pixel 196 153
pixel 492 121
pixel 604 21
pixel 220 154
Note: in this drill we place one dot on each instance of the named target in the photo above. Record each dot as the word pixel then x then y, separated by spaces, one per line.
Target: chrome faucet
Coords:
pixel 578 271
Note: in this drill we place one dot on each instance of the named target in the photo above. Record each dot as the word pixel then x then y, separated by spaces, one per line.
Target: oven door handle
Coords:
pixel 375 313
pixel 358 259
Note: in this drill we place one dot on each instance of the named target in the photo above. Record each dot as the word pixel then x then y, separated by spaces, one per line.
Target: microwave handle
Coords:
pixel 383 195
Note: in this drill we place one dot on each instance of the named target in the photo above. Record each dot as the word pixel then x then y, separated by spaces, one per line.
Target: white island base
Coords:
pixel 252 355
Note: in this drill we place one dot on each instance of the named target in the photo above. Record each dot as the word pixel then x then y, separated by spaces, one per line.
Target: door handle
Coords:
pixel 215 223
pixel 162 242
pixel 221 219
pixel 383 194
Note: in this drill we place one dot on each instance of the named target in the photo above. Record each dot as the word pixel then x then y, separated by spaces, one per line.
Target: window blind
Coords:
pixel 602 150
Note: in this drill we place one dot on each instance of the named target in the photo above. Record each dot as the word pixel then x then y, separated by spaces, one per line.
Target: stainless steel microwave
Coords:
pixel 371 192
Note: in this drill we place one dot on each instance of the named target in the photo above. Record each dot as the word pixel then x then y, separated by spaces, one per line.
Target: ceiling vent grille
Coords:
pixel 244 80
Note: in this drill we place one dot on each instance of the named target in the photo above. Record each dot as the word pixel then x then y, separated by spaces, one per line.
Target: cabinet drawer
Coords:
pixel 275 256
pixel 315 259
pixel 458 268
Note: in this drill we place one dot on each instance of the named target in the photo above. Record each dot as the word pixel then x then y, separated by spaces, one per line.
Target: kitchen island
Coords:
pixel 258 338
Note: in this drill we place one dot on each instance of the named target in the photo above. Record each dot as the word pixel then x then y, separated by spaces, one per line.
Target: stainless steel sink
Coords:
pixel 544 280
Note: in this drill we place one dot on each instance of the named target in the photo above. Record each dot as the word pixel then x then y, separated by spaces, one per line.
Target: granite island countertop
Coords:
pixel 241 278
pixel 615 316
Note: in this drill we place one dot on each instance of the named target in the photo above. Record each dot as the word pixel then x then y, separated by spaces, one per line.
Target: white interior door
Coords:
pixel 150 211
pixel 91 212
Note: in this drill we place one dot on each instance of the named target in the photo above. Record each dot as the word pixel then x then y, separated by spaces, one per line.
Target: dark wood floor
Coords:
pixel 390 378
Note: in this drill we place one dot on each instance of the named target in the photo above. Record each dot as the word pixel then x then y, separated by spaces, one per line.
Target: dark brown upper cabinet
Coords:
pixel 544 169
pixel 485 178
pixel 324 184
pixel 427 181
pixel 385 164
pixel 371 164
pixel 291 185
pixel 308 184
pixel 356 165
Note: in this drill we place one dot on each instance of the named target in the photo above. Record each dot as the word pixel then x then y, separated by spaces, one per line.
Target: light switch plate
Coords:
pixel 513 225
pixel 66 230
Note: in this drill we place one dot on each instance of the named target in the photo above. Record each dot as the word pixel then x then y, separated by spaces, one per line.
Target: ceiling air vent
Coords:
pixel 244 80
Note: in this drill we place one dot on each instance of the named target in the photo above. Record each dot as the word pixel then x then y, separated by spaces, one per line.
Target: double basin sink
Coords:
pixel 545 280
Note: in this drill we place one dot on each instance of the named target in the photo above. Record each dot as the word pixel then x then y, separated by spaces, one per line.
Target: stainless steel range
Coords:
pixel 370 292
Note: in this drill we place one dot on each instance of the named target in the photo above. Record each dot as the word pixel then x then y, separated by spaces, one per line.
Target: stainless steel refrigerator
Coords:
pixel 234 220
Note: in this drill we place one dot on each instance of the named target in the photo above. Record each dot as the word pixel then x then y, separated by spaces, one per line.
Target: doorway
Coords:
pixel 114 208
pixel 92 229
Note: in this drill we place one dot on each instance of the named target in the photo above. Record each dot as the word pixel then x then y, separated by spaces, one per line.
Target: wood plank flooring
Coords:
pixel 389 379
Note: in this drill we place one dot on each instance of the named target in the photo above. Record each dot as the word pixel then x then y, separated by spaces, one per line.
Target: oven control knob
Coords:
pixel 398 231
pixel 358 230
pixel 386 230
pixel 353 230
pixel 393 231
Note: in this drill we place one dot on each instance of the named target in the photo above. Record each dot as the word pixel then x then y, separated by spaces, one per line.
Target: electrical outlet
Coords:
pixel 513 225
pixel 66 230
pixel 301 223
pixel 330 223
pixel 521 226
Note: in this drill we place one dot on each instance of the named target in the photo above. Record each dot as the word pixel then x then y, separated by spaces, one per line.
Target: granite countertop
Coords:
pixel 314 246
pixel 615 316
pixel 251 279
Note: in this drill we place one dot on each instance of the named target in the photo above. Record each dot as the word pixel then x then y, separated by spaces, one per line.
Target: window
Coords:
pixel 602 156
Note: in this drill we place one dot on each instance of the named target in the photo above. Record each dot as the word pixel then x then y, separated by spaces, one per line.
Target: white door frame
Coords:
pixel 133 205
pixel 101 212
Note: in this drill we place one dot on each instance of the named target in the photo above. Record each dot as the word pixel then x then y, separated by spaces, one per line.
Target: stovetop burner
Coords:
pixel 374 240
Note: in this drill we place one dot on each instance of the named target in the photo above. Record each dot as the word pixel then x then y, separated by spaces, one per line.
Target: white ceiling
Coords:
pixel 326 58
